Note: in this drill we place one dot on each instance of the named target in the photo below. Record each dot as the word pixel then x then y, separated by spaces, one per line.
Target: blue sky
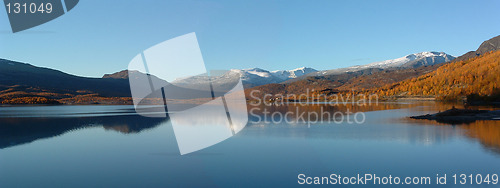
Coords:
pixel 99 37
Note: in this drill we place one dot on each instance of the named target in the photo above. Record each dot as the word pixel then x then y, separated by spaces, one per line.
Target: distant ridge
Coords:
pixel 409 61
pixel 117 75
pixel 487 46
pixel 412 61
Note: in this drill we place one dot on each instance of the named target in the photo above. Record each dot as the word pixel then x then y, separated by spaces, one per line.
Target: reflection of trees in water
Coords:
pixel 487 132
pixel 343 107
pixel 323 112
pixel 18 131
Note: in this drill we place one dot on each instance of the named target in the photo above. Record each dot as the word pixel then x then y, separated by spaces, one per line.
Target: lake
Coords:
pixel 111 146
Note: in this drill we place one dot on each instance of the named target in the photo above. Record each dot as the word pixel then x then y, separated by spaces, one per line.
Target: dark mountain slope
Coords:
pixel 487 46
pixel 19 76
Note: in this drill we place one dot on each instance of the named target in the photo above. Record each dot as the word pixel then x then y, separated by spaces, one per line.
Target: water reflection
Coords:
pixel 18 131
pixel 384 121
pixel 344 107
pixel 487 132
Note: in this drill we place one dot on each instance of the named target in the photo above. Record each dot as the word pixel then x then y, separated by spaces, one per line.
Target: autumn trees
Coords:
pixel 477 76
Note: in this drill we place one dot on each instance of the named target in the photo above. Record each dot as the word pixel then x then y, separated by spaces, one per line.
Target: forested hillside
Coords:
pixel 476 77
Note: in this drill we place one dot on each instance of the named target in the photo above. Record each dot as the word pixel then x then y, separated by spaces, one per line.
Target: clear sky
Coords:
pixel 99 37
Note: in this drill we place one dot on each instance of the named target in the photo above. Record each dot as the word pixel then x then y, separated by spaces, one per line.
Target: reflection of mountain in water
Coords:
pixel 18 131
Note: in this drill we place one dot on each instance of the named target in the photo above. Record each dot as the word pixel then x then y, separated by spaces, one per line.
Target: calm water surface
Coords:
pixel 111 146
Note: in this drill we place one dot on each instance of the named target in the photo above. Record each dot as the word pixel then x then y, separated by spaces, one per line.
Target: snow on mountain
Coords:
pixel 258 76
pixel 250 77
pixel 409 61
pixel 289 74
pixel 259 72
pixel 425 59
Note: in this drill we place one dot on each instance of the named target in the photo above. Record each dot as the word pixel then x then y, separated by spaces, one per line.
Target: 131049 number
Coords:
pixel 475 179
pixel 32 8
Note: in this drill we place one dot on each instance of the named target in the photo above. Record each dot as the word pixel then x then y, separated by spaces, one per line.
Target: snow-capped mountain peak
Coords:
pixel 411 60
pixel 257 76
pixel 258 72
pixel 252 76
pixel 294 73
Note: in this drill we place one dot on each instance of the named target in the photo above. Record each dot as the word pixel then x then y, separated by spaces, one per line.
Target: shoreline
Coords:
pixel 461 116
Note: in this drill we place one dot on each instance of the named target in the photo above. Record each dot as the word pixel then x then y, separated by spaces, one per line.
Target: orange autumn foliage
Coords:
pixel 477 76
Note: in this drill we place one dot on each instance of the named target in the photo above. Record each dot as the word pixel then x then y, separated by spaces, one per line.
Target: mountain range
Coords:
pixel 409 61
pixel 257 76
pixel 371 76
pixel 21 81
